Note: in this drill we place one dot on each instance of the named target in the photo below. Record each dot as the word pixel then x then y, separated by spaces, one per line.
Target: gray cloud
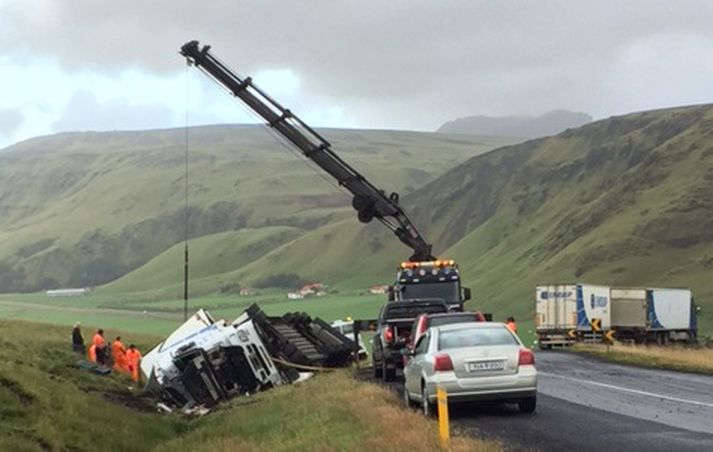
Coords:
pixel 84 112
pixel 411 64
pixel 10 121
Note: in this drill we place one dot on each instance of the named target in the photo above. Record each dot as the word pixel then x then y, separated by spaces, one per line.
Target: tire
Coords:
pixel 545 346
pixel 428 408
pixel 527 405
pixel 388 374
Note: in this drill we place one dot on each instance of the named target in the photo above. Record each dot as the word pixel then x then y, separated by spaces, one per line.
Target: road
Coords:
pixel 586 404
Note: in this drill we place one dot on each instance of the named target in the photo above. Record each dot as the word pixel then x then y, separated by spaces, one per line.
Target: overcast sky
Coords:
pixel 109 65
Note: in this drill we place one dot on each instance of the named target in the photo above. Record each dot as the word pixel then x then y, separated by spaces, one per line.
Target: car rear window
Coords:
pixel 450 319
pixel 474 337
pixel 412 310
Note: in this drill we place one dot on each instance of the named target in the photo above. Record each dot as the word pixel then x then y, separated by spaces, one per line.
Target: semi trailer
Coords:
pixel 653 315
pixel 567 313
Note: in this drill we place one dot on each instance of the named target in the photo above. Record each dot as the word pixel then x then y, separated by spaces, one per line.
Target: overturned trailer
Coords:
pixel 206 361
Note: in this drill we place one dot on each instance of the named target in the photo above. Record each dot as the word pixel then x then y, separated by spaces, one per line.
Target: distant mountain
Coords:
pixel 550 123
pixel 82 209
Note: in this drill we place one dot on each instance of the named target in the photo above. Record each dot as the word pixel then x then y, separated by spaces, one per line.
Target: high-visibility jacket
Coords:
pixel 92 353
pixel 512 326
pixel 118 352
pixel 99 341
pixel 133 357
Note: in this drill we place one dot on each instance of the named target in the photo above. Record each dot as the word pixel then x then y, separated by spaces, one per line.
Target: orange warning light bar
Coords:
pixel 436 263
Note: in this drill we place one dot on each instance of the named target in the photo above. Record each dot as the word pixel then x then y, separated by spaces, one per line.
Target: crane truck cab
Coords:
pixel 438 279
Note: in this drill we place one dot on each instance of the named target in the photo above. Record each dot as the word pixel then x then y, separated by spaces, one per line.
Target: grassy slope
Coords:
pixel 46 404
pixel 101 204
pixel 624 201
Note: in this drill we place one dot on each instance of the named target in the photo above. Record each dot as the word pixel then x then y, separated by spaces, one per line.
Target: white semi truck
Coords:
pixel 565 313
pixel 653 315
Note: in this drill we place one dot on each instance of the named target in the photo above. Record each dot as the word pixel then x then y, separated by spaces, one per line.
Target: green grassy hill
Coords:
pixel 82 209
pixel 623 201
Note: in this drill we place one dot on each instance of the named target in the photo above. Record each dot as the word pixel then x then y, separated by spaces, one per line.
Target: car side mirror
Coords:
pixel 466 293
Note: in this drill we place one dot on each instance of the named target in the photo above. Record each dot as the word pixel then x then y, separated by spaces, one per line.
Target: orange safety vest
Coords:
pixel 512 326
pixel 132 358
pixel 99 341
pixel 118 352
pixel 92 353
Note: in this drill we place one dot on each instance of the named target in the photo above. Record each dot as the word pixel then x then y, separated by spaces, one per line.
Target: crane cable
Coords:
pixel 185 208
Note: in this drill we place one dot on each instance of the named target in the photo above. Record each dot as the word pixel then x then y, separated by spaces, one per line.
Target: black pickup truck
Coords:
pixel 393 331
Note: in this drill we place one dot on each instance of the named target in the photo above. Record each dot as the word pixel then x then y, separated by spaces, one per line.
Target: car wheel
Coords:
pixel 377 369
pixel 527 405
pixel 389 374
pixel 427 407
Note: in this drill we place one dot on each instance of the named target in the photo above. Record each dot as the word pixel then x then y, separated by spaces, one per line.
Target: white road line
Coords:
pixel 633 391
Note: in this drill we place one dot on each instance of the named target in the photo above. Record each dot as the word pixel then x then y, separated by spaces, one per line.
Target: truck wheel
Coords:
pixel 527 405
pixel 377 369
pixel 545 346
pixel 389 374
pixel 427 407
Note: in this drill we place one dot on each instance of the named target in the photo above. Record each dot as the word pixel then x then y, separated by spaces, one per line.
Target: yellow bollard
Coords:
pixel 443 427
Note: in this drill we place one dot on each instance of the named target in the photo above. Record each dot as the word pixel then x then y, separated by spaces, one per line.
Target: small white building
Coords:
pixel 294 296
pixel 68 292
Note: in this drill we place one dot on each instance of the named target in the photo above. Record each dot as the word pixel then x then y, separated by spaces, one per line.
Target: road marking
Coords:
pixel 633 391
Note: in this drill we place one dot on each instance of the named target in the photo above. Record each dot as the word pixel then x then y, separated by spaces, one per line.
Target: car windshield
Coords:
pixel 410 310
pixel 475 337
pixel 447 292
pixel 347 329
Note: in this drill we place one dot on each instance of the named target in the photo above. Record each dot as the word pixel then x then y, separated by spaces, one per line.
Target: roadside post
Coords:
pixel 443 424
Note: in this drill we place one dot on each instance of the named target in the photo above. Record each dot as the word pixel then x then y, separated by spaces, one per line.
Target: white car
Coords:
pixel 472 362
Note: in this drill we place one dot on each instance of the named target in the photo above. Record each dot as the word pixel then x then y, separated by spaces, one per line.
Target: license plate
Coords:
pixel 486 366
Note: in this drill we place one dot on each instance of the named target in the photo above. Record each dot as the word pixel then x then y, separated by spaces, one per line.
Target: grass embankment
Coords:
pixel 47 404
pixel 698 360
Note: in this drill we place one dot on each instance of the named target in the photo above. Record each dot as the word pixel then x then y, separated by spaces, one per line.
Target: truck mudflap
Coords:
pixel 205 362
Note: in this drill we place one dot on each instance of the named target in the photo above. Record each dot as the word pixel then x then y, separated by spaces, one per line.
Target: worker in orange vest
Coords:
pixel 92 353
pixel 512 326
pixel 99 346
pixel 133 360
pixel 118 353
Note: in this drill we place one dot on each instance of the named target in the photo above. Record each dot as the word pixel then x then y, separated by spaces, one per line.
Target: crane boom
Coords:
pixel 368 200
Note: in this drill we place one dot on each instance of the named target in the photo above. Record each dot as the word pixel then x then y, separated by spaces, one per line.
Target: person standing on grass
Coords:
pixel 133 360
pixel 100 346
pixel 78 339
pixel 118 354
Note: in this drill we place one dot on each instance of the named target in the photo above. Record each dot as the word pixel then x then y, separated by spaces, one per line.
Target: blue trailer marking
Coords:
pixel 651 311
pixel 582 320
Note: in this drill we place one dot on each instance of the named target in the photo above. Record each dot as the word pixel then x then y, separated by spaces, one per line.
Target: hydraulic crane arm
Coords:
pixel 369 201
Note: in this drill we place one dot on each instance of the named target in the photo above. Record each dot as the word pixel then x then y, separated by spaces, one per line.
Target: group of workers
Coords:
pixel 125 360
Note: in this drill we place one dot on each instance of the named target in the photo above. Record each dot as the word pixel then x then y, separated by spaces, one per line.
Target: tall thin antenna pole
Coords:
pixel 185 211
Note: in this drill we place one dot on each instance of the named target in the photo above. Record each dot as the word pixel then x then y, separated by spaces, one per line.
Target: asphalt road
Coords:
pixel 586 404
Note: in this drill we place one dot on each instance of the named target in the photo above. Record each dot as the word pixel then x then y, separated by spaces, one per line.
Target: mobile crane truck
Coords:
pixel 422 276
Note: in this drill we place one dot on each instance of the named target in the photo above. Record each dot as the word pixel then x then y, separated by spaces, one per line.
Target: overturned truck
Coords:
pixel 206 361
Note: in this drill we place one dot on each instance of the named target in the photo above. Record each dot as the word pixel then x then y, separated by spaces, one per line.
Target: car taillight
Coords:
pixel 442 362
pixel 526 357
pixel 388 335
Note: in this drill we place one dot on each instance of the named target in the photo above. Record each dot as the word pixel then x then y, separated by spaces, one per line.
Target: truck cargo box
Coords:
pixel 556 307
pixel 628 308
pixel 671 309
